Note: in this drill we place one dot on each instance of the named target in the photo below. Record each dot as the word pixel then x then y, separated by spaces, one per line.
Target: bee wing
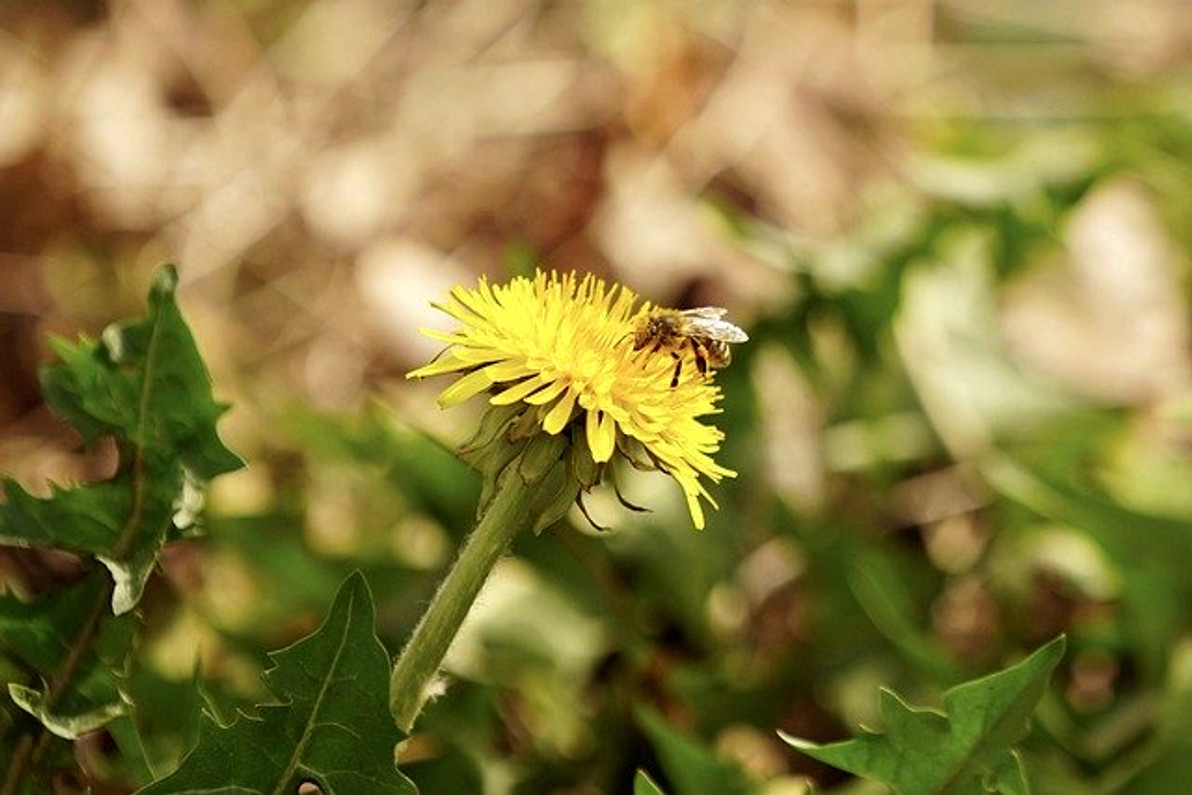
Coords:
pixel 715 329
pixel 709 312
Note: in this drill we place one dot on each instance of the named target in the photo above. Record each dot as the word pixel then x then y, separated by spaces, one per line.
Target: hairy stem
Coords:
pixel 507 515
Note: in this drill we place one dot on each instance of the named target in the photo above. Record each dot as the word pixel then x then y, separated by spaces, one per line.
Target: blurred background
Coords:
pixel 956 230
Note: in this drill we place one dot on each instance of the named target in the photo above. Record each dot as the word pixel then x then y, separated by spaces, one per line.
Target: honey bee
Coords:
pixel 703 329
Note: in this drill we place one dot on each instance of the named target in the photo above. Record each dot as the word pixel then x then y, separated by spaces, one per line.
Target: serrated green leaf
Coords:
pixel 144 383
pixel 88 518
pixel 161 722
pixel 145 386
pixel 68 727
pixel 333 726
pixel 94 520
pixel 967 748
pixel 62 629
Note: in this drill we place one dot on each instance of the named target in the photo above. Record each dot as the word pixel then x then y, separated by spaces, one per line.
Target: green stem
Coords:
pixel 506 516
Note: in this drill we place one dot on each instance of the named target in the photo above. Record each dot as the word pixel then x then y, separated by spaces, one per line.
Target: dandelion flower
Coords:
pixel 556 353
pixel 570 388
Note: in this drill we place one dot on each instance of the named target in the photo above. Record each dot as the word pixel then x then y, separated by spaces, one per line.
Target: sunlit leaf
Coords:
pixel 144 385
pixel 100 519
pixel 332 727
pixel 966 748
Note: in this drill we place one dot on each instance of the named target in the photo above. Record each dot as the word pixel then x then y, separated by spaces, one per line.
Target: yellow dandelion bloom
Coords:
pixel 563 347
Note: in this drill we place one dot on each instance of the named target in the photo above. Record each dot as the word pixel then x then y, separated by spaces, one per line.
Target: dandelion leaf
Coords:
pixel 153 737
pixel 966 749
pixel 332 726
pixel 144 385
pixel 58 630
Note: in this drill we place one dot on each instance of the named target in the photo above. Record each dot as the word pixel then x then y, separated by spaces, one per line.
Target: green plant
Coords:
pixel 143 386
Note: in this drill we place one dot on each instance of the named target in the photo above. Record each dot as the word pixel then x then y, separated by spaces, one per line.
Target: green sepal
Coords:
pixel 540 456
pixel 636 453
pixel 553 497
pixel 493 425
pixel 583 467
pixel 494 466
pixel 525 426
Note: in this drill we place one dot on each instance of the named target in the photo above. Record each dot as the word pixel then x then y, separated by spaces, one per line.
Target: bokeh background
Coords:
pixel 957 231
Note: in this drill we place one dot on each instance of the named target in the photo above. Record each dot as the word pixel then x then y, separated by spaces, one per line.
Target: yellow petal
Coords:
pixel 602 436
pixel 447 363
pixel 696 510
pixel 470 385
pixel 475 355
pixel 548 393
pixel 517 392
pixel 556 419
pixel 453 337
pixel 508 370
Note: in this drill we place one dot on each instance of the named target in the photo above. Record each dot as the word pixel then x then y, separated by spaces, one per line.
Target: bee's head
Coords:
pixel 652 329
pixel 643 332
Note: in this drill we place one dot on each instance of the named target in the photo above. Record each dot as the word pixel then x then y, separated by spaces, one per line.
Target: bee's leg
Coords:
pixel 678 369
pixel 701 358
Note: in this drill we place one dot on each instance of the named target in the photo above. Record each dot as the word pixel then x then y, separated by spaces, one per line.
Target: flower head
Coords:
pixel 562 348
